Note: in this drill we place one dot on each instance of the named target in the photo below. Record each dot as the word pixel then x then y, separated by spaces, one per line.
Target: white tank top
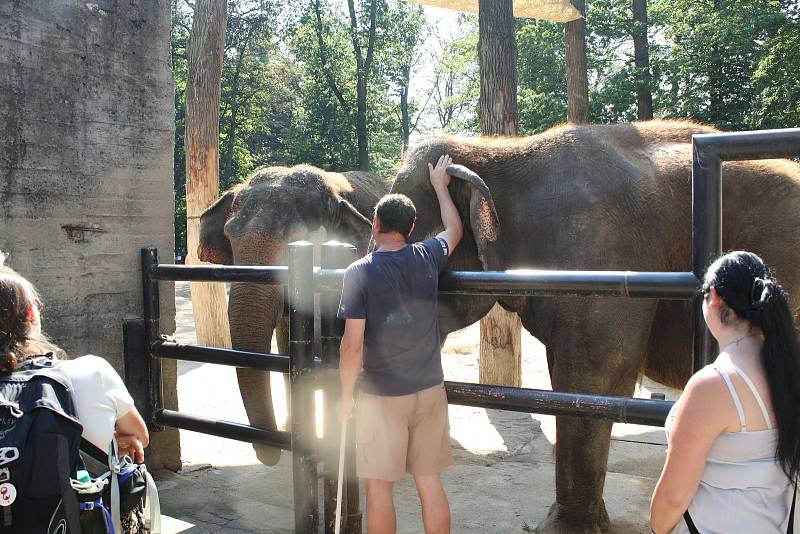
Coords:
pixel 742 489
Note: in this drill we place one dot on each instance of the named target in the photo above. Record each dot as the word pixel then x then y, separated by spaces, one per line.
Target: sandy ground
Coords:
pixel 502 480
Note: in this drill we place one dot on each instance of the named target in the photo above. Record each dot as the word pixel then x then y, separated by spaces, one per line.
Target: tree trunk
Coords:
pixel 501 347
pixel 641 55
pixel 577 80
pixel 405 119
pixel 363 66
pixel 202 159
pixel 497 56
pixel 361 123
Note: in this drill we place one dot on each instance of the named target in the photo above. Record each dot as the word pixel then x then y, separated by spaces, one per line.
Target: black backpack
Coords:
pixel 40 439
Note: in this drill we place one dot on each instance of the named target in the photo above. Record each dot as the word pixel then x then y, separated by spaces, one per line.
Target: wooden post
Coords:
pixel 501 331
pixel 209 302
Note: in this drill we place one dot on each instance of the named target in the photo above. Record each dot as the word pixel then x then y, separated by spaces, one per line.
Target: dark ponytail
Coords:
pixel 749 289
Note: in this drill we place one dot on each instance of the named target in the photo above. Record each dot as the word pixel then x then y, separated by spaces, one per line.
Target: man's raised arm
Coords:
pixel 453 229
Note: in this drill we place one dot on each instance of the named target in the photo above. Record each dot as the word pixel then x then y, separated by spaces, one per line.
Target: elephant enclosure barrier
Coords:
pixel 144 348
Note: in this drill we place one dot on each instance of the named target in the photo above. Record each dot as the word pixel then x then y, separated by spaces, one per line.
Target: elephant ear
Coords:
pixel 344 218
pixel 483 219
pixel 214 245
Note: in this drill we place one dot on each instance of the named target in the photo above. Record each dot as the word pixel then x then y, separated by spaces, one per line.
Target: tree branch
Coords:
pixel 324 61
pixel 373 16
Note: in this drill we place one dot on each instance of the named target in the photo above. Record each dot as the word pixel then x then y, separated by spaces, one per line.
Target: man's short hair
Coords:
pixel 397 214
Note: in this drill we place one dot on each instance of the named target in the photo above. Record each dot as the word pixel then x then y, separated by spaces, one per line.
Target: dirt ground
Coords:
pixel 502 480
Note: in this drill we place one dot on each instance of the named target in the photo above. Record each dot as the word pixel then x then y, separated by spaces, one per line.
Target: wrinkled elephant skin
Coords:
pixel 252 224
pixel 605 197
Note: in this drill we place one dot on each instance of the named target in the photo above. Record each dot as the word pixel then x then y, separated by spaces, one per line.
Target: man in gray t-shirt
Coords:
pixel 392 334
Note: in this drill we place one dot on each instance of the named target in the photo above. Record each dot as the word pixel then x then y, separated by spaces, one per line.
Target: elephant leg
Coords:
pixel 597 347
pixel 282 338
pixel 253 311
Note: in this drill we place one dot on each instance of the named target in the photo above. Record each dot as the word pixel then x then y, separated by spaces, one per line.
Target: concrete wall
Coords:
pixel 86 148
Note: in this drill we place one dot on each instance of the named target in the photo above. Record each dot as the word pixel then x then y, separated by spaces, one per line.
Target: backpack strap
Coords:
pixel 68 497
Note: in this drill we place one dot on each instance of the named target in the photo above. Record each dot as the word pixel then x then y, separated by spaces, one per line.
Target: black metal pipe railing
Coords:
pixel 262 361
pixel 708 153
pixel 523 282
pixel 631 284
pixel 660 285
pixel 616 409
pixel 743 146
pixel 274 275
pixel 225 429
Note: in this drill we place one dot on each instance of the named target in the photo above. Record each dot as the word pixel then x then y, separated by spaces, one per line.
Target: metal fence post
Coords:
pixel 331 330
pixel 301 337
pixel 352 503
pixel 135 363
pixel 152 318
pixel 706 236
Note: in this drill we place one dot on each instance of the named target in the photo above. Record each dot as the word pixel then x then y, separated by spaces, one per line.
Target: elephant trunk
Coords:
pixel 254 310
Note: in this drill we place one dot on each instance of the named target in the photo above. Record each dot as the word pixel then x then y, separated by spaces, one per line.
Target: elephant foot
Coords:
pixel 576 520
pixel 267 455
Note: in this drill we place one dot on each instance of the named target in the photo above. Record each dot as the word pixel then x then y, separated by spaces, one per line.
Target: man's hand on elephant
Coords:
pixel 344 407
pixel 438 174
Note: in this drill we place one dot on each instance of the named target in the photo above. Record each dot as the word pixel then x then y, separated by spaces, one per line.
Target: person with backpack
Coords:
pixel 47 404
pixel 733 436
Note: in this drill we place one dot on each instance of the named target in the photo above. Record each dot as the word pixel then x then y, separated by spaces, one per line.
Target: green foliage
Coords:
pixel 711 53
pixel 776 80
pixel 542 71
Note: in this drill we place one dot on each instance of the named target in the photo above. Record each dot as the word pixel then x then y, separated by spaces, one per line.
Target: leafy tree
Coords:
pixel 776 80
pixel 456 85
pixel 712 51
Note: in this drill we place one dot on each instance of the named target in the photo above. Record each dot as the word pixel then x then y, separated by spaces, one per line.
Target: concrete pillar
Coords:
pixel 87 119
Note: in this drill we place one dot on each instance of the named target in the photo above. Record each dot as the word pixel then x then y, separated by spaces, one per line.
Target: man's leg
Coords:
pixel 435 508
pixel 380 507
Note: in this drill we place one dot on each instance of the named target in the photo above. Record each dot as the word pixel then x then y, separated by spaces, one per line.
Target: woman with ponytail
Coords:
pixel 102 402
pixel 734 435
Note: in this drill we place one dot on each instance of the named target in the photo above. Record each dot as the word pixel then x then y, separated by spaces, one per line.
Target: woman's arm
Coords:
pixel 132 436
pixel 700 418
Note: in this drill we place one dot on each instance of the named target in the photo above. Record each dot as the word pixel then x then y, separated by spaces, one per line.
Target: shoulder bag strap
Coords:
pixel 152 505
pixel 789 528
pixel 690 523
pixel 95 452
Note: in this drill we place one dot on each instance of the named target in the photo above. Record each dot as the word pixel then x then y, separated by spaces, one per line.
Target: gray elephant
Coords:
pixel 252 224
pixel 606 197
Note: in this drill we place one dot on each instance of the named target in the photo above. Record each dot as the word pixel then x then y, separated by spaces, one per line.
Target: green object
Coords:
pixel 84 476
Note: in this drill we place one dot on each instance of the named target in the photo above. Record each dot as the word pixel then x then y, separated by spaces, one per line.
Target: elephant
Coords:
pixel 597 197
pixel 252 224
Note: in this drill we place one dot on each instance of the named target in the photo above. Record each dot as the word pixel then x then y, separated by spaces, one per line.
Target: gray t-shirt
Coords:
pixel 395 291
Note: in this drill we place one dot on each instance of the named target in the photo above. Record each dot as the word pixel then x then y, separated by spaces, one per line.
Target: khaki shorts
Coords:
pixel 402 434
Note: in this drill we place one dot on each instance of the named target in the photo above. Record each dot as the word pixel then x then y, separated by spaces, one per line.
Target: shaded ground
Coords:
pixel 502 480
